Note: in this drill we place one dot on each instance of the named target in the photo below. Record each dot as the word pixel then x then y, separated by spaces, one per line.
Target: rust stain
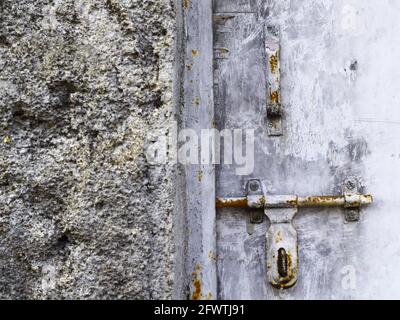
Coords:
pixel 186 4
pixel 231 203
pixel 196 295
pixel 273 63
pixel 195 53
pixel 327 201
pixel 317 201
pixel 261 202
pixel 292 202
pixel 197 292
pixel 285 280
pixel 369 198
pixel 274 97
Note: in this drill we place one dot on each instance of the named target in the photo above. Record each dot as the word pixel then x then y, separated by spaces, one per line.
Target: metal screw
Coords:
pixel 254 186
pixel 350 184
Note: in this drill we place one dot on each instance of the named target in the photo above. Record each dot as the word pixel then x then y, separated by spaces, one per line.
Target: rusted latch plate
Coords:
pixel 282 250
pixel 274 107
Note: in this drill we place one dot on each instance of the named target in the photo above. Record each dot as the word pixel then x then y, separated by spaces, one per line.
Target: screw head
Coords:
pixel 254 185
pixel 350 184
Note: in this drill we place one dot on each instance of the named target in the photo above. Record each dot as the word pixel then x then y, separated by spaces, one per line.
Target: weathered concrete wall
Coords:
pixel 82 214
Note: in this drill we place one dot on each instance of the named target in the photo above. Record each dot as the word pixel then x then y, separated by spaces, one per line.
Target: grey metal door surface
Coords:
pixel 339 95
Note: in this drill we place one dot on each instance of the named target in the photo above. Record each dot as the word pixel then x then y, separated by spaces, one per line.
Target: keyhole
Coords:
pixel 282 263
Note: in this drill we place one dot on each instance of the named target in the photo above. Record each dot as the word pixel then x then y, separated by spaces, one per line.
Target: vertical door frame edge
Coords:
pixel 195 213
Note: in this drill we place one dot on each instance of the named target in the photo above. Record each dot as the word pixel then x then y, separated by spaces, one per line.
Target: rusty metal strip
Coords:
pixel 301 202
pixel 274 107
pixel 231 202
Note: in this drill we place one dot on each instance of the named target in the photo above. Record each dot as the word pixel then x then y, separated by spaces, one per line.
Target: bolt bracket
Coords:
pixel 350 189
pixel 254 192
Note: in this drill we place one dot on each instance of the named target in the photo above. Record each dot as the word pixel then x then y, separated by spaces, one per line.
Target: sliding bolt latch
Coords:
pixel 282 249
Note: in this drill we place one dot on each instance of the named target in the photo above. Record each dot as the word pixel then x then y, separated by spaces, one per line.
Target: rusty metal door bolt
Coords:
pixel 282 250
pixel 274 107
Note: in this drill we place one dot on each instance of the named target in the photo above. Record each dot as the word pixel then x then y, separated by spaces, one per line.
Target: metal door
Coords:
pixel 340 68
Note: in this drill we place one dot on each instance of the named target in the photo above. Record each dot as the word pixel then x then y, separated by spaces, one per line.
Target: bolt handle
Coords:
pixel 282 249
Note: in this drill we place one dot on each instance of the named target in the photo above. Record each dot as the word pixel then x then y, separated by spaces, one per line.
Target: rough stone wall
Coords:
pixel 82 213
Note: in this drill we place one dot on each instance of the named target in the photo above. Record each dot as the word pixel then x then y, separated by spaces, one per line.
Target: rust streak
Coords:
pixel 273 63
pixel 318 201
pixel 197 293
pixel 231 203
pixel 274 97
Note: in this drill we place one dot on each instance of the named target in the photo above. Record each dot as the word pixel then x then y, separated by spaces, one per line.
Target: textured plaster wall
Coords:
pixel 82 213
